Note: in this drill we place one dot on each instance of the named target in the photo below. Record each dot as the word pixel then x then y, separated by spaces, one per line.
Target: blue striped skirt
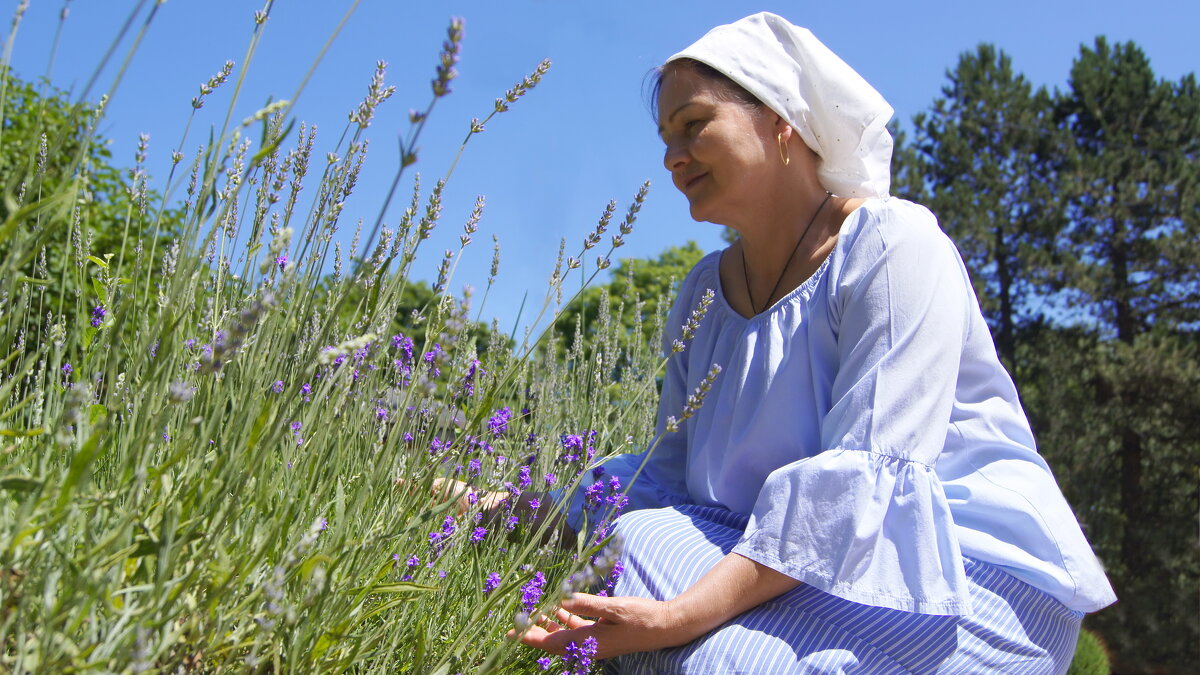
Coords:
pixel 1014 627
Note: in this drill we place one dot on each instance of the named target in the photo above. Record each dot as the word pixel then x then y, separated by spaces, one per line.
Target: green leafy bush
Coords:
pixel 1091 658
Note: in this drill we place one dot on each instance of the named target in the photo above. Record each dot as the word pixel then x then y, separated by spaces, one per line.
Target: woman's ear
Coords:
pixel 783 128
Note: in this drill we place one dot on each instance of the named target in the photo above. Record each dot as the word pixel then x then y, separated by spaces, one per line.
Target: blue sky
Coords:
pixel 583 137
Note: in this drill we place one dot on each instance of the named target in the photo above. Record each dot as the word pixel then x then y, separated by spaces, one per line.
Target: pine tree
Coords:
pixel 1131 181
pixel 982 151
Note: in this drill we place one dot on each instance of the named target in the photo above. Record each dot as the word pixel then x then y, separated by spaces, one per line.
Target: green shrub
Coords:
pixel 1091 658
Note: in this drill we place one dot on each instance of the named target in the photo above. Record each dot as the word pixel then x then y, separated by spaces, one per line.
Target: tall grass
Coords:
pixel 205 411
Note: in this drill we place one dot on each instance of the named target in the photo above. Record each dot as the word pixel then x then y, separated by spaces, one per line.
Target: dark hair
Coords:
pixel 728 91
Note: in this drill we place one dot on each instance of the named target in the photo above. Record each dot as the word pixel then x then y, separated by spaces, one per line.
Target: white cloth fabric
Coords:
pixel 841 117
pixel 866 426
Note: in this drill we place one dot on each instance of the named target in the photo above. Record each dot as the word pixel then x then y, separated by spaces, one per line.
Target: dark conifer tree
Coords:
pixel 982 151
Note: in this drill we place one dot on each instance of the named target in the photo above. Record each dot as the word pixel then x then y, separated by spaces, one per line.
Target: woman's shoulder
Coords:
pixel 892 219
pixel 891 229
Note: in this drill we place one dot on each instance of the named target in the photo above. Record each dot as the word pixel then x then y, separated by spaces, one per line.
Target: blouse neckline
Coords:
pixel 803 289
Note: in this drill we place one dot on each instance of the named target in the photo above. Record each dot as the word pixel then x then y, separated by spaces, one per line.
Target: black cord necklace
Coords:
pixel 746 273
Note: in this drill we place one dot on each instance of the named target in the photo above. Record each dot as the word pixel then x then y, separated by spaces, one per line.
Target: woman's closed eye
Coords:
pixel 689 128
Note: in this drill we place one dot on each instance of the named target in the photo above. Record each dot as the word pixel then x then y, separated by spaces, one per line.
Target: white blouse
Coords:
pixel 867 427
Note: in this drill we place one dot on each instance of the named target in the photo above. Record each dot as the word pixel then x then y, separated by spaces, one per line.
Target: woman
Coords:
pixel 860 489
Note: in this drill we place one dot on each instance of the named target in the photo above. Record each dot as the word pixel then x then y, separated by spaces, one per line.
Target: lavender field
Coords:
pixel 220 430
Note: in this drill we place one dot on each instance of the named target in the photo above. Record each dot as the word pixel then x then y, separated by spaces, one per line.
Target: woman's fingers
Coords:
pixel 589 605
pixel 570 620
pixel 450 489
pixel 553 641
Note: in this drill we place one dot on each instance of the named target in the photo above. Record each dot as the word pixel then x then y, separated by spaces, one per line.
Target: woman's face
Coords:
pixel 722 154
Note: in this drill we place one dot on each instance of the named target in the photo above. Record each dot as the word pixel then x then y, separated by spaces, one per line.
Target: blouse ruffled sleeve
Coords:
pixel 656 477
pixel 865 517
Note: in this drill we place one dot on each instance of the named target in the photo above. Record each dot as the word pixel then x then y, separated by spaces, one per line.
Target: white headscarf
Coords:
pixel 841 117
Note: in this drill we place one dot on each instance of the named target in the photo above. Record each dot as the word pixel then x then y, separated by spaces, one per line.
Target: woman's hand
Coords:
pixel 622 625
pixel 463 495
pixel 628 624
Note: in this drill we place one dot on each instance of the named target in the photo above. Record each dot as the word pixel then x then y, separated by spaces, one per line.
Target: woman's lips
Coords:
pixel 688 183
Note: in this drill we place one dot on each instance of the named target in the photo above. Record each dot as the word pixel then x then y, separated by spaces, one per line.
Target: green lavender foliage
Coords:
pixel 218 457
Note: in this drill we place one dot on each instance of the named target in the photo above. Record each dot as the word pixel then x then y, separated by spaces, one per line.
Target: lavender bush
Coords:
pixel 217 451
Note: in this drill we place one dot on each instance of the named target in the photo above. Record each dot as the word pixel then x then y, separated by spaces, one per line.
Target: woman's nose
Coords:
pixel 675 157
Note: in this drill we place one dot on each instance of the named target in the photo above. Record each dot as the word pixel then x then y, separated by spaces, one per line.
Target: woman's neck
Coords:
pixel 779 252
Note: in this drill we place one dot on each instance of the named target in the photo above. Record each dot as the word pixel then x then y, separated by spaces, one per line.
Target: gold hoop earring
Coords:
pixel 783 153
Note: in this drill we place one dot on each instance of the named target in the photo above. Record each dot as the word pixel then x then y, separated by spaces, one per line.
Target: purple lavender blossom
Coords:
pixel 593 496
pixel 474 467
pixel 431 358
pixel 282 262
pixel 277 386
pixel 98 315
pixel 498 424
pixel 523 478
pixel 550 478
pixel 67 369
pixel 615 576
pixel 467 390
pixel 579 656
pixel 544 663
pixel 531 591
pixel 615 498
pixel 381 414
pixel 305 390
pixel 491 583
pixel 572 444
pixel 405 346
pixel 478 535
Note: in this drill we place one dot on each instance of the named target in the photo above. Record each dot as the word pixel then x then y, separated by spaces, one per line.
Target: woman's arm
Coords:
pixel 624 625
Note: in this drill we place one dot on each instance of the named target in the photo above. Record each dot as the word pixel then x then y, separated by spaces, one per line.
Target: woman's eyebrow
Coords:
pixel 673 114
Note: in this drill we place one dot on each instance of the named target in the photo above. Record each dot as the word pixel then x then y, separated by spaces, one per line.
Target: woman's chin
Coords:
pixel 699 213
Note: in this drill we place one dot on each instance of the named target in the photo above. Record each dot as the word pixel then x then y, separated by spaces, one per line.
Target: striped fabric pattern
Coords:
pixel 1014 627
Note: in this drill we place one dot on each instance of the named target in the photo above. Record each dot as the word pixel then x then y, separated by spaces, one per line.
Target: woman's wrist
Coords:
pixel 735 585
pixel 684 623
